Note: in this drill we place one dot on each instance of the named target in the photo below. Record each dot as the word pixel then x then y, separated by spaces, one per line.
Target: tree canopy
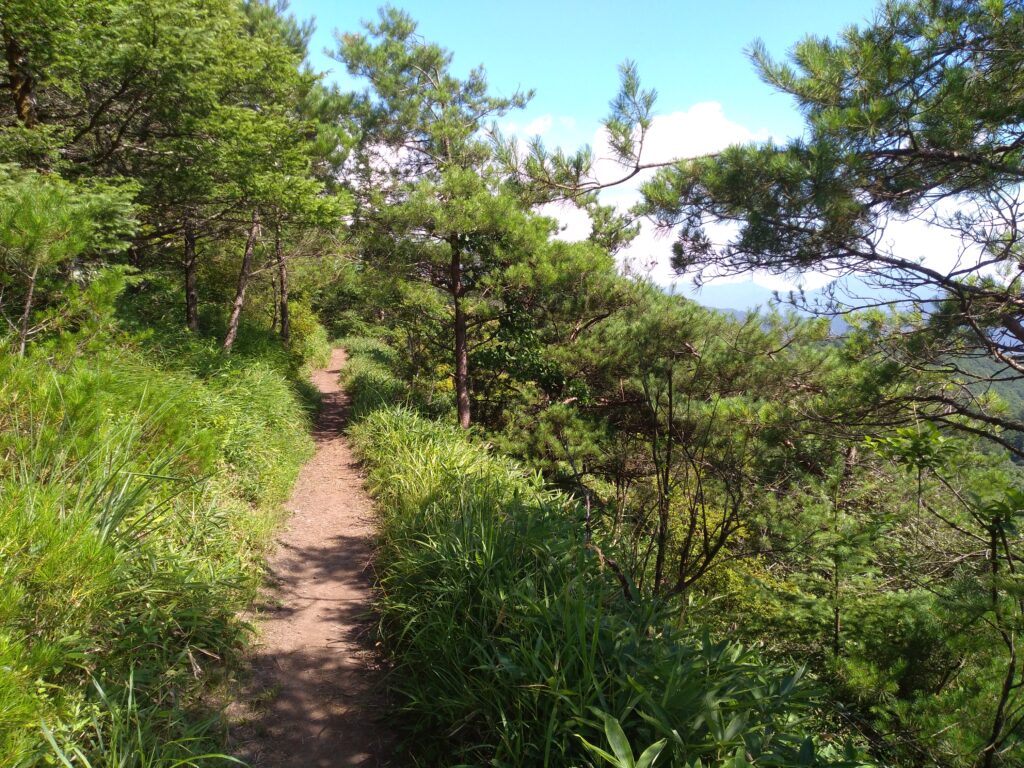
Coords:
pixel 915 117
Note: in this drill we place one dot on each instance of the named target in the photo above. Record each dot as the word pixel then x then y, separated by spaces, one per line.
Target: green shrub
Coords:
pixel 512 645
pixel 145 314
pixel 309 342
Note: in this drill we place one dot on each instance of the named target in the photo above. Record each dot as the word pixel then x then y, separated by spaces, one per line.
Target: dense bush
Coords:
pixel 135 501
pixel 369 375
pixel 309 343
pixel 512 642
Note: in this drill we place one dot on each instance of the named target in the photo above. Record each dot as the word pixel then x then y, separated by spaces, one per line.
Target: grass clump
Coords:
pixel 370 375
pixel 514 645
pixel 135 502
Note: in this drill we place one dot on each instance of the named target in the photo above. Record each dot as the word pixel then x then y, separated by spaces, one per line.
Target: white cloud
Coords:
pixel 539 126
pixel 808 281
pixel 940 248
pixel 701 129
pixel 704 129
pixel 575 222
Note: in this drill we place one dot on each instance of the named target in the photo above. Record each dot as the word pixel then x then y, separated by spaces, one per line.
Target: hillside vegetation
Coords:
pixel 138 498
pixel 545 658
pixel 616 528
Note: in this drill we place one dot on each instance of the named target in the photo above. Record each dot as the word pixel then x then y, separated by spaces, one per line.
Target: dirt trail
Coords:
pixel 315 696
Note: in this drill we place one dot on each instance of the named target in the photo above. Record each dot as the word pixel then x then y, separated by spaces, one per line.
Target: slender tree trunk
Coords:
pixel 273 303
pixel 996 737
pixel 1001 730
pixel 243 281
pixel 663 469
pixel 838 503
pixel 662 542
pixel 27 312
pixel 988 754
pixel 837 616
pixel 191 276
pixel 837 608
pixel 282 274
pixel 461 344
pixel 21 82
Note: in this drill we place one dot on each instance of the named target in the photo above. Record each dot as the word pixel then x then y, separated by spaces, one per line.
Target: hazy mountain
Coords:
pixel 740 298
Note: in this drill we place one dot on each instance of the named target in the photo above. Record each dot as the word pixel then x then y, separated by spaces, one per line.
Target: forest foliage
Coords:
pixel 616 527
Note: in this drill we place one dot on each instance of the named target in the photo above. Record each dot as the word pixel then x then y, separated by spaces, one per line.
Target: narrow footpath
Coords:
pixel 315 698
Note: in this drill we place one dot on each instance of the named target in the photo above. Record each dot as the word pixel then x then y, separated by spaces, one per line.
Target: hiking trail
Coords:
pixel 315 699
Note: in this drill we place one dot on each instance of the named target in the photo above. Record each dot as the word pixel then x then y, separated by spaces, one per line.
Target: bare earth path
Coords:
pixel 315 698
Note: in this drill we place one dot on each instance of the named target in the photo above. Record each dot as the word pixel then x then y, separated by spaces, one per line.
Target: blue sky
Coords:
pixel 569 50
pixel 691 52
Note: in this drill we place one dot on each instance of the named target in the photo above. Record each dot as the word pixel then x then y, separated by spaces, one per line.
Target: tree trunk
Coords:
pixel 997 737
pixel 243 281
pixel 461 345
pixel 273 303
pixel 191 277
pixel 282 274
pixel 838 503
pixel 21 82
pixel 27 313
pixel 663 469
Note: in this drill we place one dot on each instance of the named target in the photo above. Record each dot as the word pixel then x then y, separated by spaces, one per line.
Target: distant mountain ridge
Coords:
pixel 739 299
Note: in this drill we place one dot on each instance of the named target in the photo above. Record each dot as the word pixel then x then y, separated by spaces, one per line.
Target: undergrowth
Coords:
pixel 512 642
pixel 138 488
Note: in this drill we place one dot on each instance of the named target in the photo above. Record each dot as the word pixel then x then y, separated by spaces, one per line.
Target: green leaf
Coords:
pixel 618 741
pixel 806 756
pixel 736 725
pixel 651 754
pixel 595 750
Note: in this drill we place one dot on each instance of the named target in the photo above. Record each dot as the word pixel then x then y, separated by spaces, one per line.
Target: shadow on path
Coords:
pixel 316 697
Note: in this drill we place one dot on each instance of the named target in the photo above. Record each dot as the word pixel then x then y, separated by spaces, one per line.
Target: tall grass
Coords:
pixel 135 501
pixel 369 376
pixel 512 644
